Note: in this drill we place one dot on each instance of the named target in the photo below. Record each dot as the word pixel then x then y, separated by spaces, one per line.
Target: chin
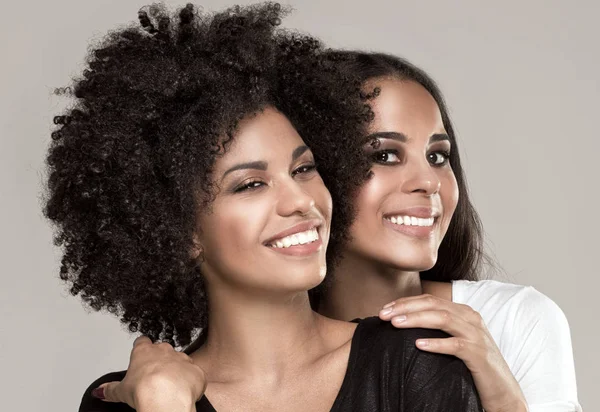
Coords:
pixel 413 262
pixel 303 280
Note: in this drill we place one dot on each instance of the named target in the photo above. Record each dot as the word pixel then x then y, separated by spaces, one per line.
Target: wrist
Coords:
pixel 171 405
pixel 164 396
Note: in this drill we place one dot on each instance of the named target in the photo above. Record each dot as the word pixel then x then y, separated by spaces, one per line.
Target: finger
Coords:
pixel 108 392
pixel 407 299
pixel 422 303
pixel 141 340
pixel 409 304
pixel 437 319
pixel 461 348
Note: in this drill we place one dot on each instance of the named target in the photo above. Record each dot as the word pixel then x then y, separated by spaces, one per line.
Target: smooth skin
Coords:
pixel 266 348
pixel 381 263
pixel 379 271
pixel 158 379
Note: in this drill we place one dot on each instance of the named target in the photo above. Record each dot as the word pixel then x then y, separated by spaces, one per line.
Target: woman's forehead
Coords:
pixel 266 134
pixel 405 106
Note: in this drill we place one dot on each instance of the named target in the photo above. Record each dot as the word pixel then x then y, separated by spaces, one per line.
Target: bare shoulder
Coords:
pixel 337 333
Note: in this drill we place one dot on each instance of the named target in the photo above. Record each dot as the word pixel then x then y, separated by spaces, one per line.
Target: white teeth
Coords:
pixel 302 238
pixel 411 221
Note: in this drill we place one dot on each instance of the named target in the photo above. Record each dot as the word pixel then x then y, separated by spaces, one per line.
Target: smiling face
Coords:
pixel 405 208
pixel 268 226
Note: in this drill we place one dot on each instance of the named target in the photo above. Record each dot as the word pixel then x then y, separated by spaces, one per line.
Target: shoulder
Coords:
pixel 465 291
pixel 533 335
pixel 499 301
pixel 390 356
pixel 379 341
pixel 375 331
pixel 92 404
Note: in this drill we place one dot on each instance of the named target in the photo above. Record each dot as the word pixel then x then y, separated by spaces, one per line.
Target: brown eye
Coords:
pixel 304 169
pixel 386 157
pixel 438 158
pixel 254 184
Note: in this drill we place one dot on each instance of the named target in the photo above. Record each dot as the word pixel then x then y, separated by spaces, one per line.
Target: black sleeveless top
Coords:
pixel 386 372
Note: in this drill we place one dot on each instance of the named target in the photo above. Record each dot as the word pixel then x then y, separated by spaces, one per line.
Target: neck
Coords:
pixel 361 287
pixel 258 335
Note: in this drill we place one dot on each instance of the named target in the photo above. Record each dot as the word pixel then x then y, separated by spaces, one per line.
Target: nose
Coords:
pixel 420 177
pixel 294 199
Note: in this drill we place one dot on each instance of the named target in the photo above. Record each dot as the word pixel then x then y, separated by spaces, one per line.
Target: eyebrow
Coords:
pixel 438 137
pixel 299 151
pixel 258 165
pixel 262 165
pixel 401 137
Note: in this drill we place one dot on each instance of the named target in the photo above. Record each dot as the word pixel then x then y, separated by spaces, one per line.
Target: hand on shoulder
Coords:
pixel 158 379
pixel 470 341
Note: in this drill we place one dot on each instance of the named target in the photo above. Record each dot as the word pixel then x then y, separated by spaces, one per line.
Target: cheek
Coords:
pixel 317 190
pixel 324 202
pixel 449 194
pixel 368 202
pixel 231 232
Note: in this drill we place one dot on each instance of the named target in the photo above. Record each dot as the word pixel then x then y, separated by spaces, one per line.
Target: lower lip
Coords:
pixel 299 250
pixel 421 232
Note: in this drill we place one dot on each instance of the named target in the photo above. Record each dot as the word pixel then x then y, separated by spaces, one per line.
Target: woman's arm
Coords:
pixel 538 348
pixel 158 379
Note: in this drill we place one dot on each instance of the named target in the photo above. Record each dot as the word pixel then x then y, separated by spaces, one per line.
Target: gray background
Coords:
pixel 521 81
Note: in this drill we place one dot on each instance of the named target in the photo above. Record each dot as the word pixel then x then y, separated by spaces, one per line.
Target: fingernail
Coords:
pixel 422 343
pixel 386 311
pixel 389 305
pixel 98 393
pixel 399 319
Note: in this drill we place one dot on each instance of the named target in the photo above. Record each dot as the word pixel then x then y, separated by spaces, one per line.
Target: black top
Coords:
pixel 386 373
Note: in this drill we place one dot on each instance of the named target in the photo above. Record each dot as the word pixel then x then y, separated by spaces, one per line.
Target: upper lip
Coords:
pixel 423 212
pixel 297 228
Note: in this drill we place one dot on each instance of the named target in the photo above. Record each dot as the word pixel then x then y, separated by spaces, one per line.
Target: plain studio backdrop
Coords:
pixel 521 81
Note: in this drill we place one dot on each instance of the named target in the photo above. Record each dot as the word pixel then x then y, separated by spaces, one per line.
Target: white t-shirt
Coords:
pixel 533 335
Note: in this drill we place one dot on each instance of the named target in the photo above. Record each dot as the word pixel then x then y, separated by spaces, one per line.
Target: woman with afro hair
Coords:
pixel 186 200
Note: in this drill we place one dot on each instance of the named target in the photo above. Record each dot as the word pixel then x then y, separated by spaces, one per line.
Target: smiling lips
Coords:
pixel 300 240
pixel 411 221
pixel 416 221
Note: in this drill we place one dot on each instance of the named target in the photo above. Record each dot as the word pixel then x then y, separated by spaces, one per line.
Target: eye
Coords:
pixel 388 157
pixel 438 158
pixel 251 185
pixel 306 168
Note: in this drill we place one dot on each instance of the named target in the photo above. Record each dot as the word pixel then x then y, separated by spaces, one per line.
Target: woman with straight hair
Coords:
pixel 416 236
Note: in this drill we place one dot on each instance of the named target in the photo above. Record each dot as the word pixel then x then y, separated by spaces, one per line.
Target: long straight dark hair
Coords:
pixel 461 253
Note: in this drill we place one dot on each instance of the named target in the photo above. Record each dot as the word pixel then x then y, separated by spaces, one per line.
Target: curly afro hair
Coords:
pixel 157 103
